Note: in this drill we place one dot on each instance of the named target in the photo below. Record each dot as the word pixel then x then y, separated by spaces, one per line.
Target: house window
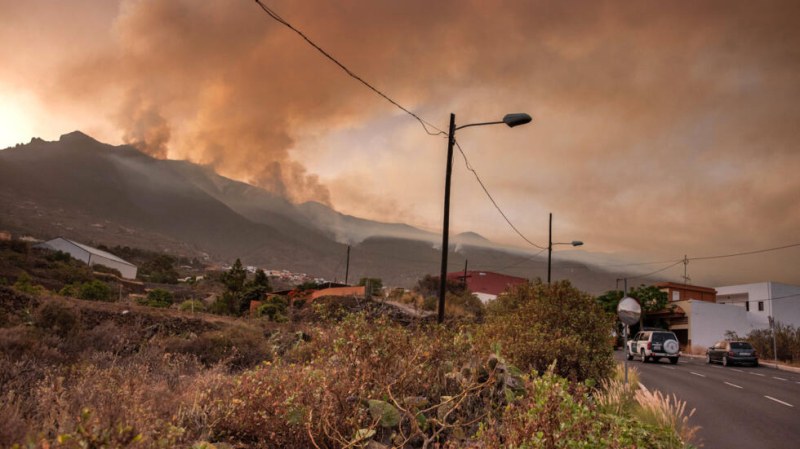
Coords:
pixel 761 306
pixel 747 305
pixel 676 295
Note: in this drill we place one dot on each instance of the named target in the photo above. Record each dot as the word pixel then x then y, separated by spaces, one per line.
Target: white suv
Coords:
pixel 653 345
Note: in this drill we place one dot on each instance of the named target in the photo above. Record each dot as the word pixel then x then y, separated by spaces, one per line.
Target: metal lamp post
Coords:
pixel 511 120
pixel 550 245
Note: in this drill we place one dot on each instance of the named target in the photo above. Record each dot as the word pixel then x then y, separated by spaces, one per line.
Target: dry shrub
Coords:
pixel 57 317
pixel 146 394
pixel 537 324
pixel 668 413
pixel 239 346
pixel 322 401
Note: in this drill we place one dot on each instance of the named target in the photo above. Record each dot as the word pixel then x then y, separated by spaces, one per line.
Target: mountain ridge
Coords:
pixel 81 188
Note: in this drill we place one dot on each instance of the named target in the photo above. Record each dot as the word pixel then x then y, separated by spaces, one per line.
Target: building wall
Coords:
pixel 785 302
pixel 779 300
pixel 708 322
pixel 66 246
pixel 127 271
pixel 61 244
pixel 682 292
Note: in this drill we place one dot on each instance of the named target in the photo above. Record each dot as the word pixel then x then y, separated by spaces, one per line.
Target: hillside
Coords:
pixel 82 189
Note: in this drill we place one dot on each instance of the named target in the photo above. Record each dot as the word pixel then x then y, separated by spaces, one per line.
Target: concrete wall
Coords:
pixel 779 300
pixel 786 303
pixel 708 322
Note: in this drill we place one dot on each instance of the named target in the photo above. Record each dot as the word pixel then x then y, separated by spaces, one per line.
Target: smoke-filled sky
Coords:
pixel 660 128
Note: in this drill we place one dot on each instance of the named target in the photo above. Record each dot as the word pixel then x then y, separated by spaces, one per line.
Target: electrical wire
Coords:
pixel 746 253
pixel 425 124
pixel 656 272
pixel 485 190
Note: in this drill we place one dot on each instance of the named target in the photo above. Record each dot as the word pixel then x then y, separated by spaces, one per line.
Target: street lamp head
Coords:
pixel 513 120
pixel 577 243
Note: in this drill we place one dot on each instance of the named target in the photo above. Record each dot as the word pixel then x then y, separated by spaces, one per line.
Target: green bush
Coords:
pixel 537 324
pixel 24 284
pixel 556 414
pixel 274 308
pixel 95 291
pixel 157 298
pixel 192 305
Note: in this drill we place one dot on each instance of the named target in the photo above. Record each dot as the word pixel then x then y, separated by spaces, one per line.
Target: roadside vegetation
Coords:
pixel 533 370
pixel 786 341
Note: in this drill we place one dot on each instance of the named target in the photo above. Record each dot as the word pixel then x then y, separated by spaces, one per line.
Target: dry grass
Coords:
pixel 666 412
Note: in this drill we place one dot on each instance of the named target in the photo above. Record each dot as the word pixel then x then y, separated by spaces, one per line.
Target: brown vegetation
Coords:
pixel 86 374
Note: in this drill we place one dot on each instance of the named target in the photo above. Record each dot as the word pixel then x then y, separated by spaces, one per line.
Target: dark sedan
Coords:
pixel 732 352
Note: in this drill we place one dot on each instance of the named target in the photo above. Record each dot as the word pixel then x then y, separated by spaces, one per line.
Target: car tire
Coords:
pixel 673 360
pixel 755 365
pixel 629 355
pixel 644 357
pixel 724 361
pixel 708 358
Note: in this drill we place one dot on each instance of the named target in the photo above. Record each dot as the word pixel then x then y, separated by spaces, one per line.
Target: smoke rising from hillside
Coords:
pixel 650 118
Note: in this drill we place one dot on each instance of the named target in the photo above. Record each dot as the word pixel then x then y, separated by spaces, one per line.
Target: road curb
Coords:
pixel 768 363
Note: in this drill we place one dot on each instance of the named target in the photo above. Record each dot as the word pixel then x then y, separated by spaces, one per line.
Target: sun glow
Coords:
pixel 16 125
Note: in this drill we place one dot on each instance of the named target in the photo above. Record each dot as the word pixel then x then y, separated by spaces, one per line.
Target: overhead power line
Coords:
pixel 425 124
pixel 746 253
pixel 721 256
pixel 483 186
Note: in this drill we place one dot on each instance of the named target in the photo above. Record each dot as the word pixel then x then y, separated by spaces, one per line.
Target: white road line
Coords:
pixel 779 401
pixel 779 378
pixel 757 374
pixel 733 385
pixel 715 366
pixel 667 367
pixel 697 374
pixel 737 370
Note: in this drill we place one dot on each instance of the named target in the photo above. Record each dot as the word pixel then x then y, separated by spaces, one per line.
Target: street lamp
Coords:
pixel 550 245
pixel 511 120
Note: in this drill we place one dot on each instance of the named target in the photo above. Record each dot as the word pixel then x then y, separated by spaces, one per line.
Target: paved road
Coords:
pixel 737 407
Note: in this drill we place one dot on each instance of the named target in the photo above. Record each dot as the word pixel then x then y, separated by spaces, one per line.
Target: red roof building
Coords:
pixel 486 284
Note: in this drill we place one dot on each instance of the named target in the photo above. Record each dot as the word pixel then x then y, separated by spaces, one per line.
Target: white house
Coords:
pixel 91 256
pixel 763 300
pixel 737 308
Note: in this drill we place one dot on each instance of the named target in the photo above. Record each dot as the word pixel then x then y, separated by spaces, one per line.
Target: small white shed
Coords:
pixel 91 256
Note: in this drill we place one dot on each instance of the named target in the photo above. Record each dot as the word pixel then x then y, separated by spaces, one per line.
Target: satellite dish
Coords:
pixel 629 311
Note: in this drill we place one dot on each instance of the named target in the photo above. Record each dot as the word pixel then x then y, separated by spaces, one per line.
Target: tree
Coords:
pixel 160 270
pixel 235 277
pixel 375 284
pixel 609 300
pixel 254 290
pixel 95 290
pixel 429 286
pixel 650 297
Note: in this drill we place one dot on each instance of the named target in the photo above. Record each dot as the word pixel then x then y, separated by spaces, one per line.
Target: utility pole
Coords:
pixel 451 140
pixel 466 261
pixel 549 246
pixel 685 266
pixel 347 269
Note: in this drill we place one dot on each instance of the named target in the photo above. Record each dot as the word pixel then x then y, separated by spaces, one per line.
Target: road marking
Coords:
pixel 757 374
pixel 715 366
pixel 779 401
pixel 697 374
pixel 737 370
pixel 667 367
pixel 733 385
pixel 779 378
